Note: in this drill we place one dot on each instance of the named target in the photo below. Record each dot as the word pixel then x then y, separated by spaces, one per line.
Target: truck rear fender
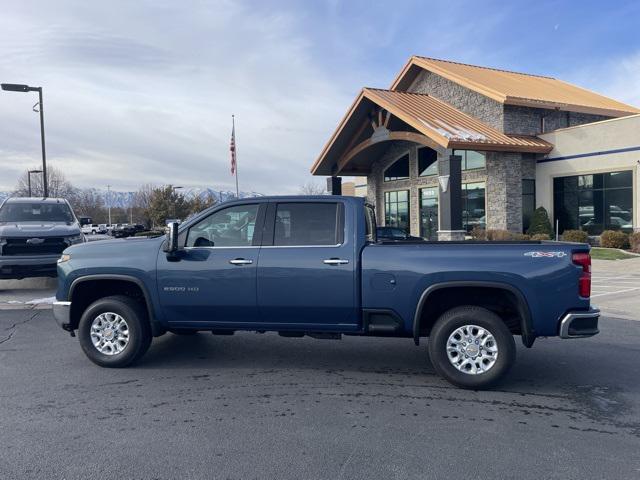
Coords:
pixel 524 313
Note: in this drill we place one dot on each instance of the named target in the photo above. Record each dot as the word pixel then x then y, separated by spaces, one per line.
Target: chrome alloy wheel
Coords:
pixel 109 333
pixel 472 349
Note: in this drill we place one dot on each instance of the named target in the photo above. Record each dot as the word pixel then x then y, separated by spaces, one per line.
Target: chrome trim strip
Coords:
pixel 268 246
pixel 565 323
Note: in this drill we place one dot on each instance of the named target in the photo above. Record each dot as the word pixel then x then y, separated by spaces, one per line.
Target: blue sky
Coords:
pixel 141 91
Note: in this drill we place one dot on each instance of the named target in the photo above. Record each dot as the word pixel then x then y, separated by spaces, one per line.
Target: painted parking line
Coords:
pixel 615 293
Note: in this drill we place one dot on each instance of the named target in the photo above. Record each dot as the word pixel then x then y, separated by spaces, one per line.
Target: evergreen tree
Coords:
pixel 540 223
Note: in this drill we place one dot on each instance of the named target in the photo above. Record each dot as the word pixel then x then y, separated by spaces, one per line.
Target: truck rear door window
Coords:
pixel 300 224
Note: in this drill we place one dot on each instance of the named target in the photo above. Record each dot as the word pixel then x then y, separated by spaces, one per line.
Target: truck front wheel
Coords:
pixel 114 331
pixel 471 347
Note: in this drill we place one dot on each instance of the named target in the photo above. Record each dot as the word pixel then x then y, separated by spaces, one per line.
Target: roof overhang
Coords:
pixel 377 117
pixel 577 99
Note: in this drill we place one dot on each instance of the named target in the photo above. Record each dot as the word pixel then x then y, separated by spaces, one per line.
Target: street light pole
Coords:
pixel 44 153
pixel 109 202
pixel 29 172
pixel 14 87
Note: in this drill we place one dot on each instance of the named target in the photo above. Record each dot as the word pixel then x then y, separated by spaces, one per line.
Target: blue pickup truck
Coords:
pixel 313 266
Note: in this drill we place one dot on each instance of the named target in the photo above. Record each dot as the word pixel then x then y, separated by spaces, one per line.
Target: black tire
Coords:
pixel 458 317
pixel 139 331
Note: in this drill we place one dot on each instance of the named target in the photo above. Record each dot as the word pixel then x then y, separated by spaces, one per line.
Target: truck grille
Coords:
pixel 19 246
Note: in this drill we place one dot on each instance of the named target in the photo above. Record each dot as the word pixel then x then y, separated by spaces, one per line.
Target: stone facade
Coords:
pixel 485 109
pixel 504 171
pixel 376 186
pixel 504 191
pixel 528 121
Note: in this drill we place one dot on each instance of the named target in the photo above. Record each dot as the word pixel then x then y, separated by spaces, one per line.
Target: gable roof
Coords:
pixel 513 88
pixel 416 115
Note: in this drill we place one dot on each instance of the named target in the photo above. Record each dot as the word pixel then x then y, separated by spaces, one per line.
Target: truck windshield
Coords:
pixel 36 212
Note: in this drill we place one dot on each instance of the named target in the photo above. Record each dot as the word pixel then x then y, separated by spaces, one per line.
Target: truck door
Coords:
pixel 213 279
pixel 307 265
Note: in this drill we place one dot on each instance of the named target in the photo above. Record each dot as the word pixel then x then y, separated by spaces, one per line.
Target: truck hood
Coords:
pixel 119 246
pixel 38 229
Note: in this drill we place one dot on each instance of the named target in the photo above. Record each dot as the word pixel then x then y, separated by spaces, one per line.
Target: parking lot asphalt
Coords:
pixel 616 287
pixel 262 406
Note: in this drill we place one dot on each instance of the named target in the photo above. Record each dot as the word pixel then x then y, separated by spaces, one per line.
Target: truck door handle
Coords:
pixel 335 261
pixel 240 261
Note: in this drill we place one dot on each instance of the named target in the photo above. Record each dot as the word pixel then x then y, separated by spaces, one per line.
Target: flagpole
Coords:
pixel 233 121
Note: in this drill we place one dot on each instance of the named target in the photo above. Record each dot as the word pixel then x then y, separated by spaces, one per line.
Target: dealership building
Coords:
pixel 451 146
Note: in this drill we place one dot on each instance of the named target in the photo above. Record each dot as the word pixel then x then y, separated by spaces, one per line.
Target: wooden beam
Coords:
pixel 393 136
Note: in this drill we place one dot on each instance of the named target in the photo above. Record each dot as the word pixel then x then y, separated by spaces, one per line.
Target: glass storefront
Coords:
pixel 594 203
pixel 427 162
pixel 396 209
pixel 429 213
pixel 399 170
pixel 471 159
pixel 473 206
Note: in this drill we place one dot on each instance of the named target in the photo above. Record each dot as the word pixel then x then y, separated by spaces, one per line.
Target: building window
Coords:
pixel 429 213
pixel 396 209
pixel 473 206
pixel 399 170
pixel 427 162
pixel 471 160
pixel 528 202
pixel 594 203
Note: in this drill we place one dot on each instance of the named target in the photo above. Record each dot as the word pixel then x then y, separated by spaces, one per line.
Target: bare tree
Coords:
pixel 141 208
pixel 58 184
pixel 312 188
pixel 88 203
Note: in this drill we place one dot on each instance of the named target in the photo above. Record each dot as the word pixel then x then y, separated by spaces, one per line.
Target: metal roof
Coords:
pixel 513 88
pixel 444 126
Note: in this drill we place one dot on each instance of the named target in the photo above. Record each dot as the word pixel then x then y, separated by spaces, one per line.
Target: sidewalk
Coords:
pixel 21 294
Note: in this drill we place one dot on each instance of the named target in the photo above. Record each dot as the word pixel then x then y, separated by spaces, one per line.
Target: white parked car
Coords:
pixel 92 229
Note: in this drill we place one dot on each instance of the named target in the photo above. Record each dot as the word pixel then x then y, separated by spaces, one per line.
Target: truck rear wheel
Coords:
pixel 471 347
pixel 114 331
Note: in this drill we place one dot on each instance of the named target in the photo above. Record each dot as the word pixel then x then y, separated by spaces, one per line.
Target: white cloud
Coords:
pixel 141 93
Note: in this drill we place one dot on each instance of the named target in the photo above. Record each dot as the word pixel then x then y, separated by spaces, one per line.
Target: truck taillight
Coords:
pixel 583 259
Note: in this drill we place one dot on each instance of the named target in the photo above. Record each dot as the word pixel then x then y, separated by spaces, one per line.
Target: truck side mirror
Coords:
pixel 171 245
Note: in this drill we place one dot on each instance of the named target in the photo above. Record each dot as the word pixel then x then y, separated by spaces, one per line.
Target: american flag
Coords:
pixel 232 149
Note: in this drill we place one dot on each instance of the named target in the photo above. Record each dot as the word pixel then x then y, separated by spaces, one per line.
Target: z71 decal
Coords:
pixel 545 254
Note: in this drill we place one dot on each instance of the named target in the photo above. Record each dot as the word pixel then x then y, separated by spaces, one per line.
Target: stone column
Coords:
pixel 450 201
pixel 504 191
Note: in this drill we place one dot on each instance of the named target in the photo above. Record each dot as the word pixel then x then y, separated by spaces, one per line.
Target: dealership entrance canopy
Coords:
pixel 450 147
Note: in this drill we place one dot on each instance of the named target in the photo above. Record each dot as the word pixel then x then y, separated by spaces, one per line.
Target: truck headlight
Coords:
pixel 64 258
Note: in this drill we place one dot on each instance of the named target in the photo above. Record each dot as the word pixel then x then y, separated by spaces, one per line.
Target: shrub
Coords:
pixel 579 236
pixel 521 237
pixel 148 233
pixel 478 233
pixel 499 235
pixel 614 239
pixel 634 242
pixel 540 237
pixel 540 222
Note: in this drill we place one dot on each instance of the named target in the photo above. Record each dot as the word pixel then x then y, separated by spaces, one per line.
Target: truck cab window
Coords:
pixel 299 224
pixel 231 227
